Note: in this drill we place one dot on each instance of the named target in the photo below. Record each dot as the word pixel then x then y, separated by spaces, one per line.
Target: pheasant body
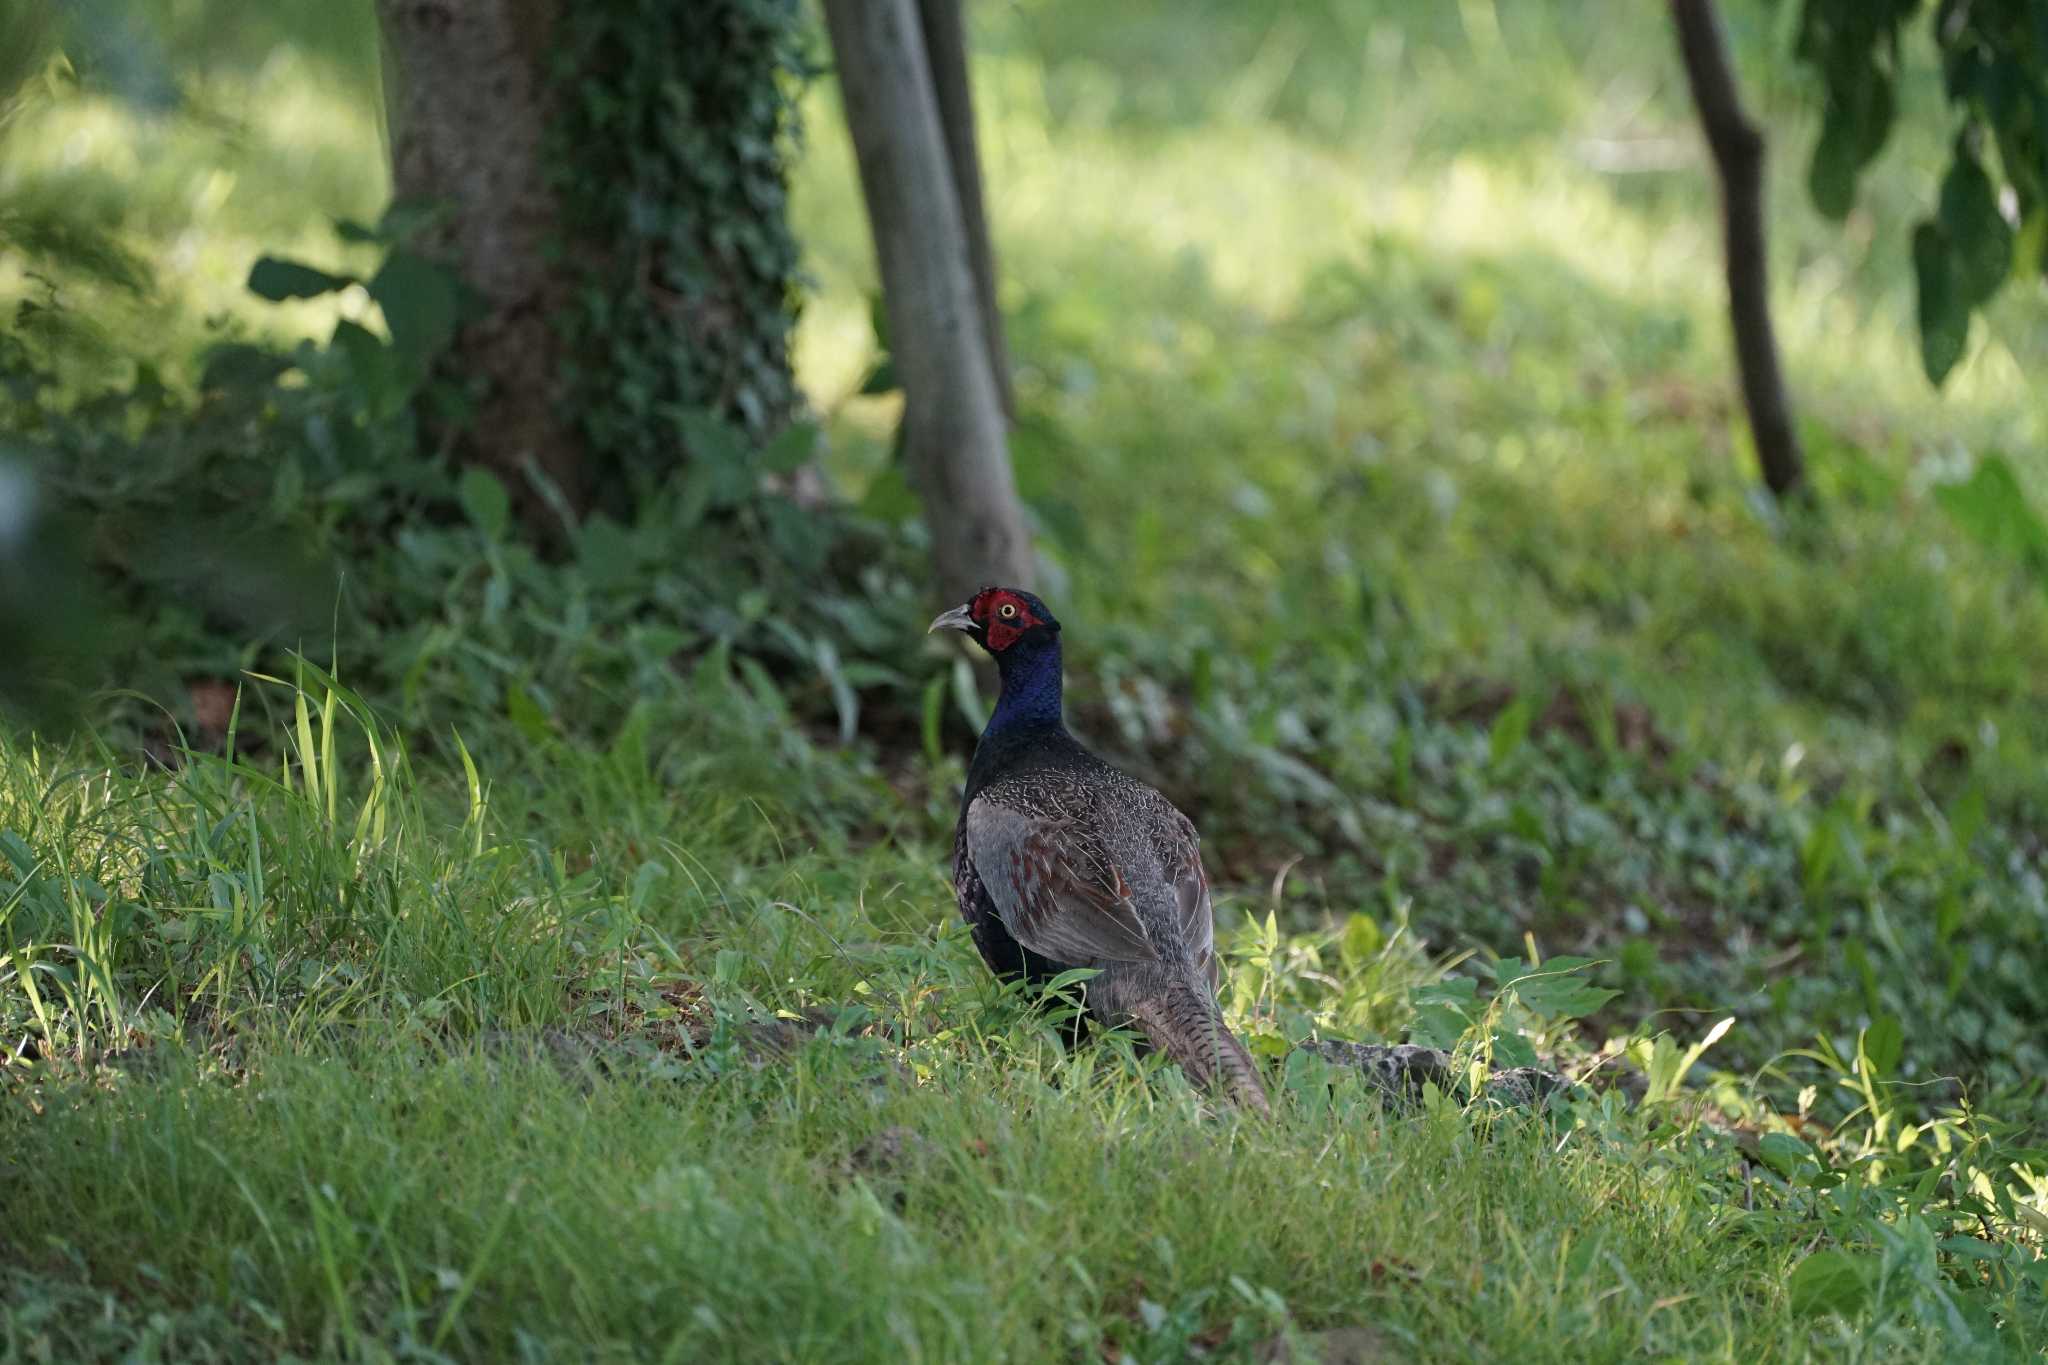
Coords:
pixel 1062 861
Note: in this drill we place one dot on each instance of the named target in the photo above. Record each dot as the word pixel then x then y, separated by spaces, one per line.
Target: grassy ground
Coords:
pixel 439 1067
pixel 1379 433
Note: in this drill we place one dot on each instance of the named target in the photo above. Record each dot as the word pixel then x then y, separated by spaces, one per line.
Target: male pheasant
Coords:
pixel 1062 861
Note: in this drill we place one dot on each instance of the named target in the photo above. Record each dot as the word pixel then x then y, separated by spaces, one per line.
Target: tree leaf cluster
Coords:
pixel 1990 219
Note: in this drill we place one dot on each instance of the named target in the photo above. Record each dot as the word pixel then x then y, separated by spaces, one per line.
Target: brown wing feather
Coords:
pixel 1057 892
pixel 1180 857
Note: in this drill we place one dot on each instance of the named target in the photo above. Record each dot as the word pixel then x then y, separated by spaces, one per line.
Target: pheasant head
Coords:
pixel 1022 634
pixel 1001 619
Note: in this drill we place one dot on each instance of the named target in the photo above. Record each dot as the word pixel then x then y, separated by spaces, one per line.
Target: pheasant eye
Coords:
pixel 1007 611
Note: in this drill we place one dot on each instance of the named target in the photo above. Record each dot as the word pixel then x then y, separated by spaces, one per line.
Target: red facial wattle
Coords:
pixel 1003 617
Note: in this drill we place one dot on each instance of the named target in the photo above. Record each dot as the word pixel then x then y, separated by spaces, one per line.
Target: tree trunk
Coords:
pixel 945 46
pixel 469 108
pixel 1738 149
pixel 953 420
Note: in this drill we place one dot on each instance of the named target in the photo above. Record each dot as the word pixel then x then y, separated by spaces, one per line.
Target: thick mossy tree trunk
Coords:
pixel 469 104
pixel 613 180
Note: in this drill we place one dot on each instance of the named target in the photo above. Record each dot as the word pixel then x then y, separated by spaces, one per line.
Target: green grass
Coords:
pixel 331 1124
pixel 732 1217
pixel 1383 451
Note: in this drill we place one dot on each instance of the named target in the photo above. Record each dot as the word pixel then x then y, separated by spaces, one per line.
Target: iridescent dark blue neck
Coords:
pixel 1031 673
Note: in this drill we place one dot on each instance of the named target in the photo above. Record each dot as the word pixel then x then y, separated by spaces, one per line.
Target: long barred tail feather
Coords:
pixel 1182 1018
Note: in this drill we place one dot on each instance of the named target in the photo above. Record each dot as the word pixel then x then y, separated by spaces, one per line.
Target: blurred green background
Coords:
pixel 1378 425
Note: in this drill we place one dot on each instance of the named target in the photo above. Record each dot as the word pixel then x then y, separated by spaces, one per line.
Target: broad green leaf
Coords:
pixel 524 712
pixel 967 695
pixel 421 304
pixel 486 502
pixel 709 437
pixel 373 365
pixel 1853 131
pixel 844 699
pixel 1884 1042
pixel 1512 1049
pixel 1944 316
pixel 1072 976
pixel 1782 1152
pixel 1439 1026
pixel 1510 729
pixel 878 321
pixel 1268 1045
pixel 608 554
pixel 1992 509
pixel 236 364
pixel 881 379
pixel 1560 995
pixel 1306 1073
pixel 2030 245
pixel 1445 1011
pixel 791 450
pixel 1832 1282
pixel 278 280
pixel 1362 939
pixel 648 875
pixel 1978 237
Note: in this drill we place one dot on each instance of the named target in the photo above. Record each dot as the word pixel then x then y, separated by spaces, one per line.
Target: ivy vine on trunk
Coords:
pixel 669 153
pixel 612 184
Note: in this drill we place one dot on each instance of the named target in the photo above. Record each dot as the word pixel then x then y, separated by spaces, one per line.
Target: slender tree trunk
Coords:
pixel 945 46
pixel 955 438
pixel 468 106
pixel 1738 150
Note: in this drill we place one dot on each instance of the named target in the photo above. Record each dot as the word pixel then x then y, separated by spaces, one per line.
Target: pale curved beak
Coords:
pixel 956 619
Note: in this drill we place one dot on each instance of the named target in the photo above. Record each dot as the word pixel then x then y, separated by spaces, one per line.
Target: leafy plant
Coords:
pixel 323 510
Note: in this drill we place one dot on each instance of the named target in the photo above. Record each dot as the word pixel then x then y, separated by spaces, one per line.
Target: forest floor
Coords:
pixel 1403 532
